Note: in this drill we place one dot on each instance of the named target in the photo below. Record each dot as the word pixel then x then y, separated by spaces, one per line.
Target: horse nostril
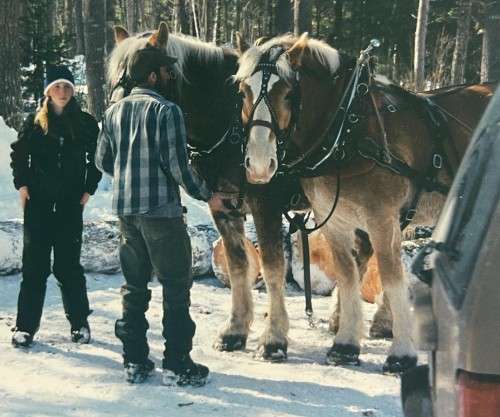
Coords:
pixel 272 165
pixel 247 162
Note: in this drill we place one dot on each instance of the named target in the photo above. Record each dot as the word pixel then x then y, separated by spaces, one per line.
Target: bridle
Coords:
pixel 268 66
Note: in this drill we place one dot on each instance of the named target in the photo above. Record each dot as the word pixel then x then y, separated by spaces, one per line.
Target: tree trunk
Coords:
pixel 69 25
pixel 490 60
pixel 131 16
pixel 155 14
pixel 461 42
pixel 93 11
pixel 420 36
pixel 217 22
pixel 196 23
pixel 237 21
pixel 10 63
pixel 204 15
pixel 79 32
pixel 227 26
pixel 302 16
pixel 283 16
pixel 180 17
pixel 110 21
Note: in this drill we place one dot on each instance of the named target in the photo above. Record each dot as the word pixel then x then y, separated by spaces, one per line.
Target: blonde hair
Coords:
pixel 42 115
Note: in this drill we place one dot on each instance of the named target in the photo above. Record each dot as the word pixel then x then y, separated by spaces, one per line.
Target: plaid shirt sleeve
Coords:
pixel 104 158
pixel 181 170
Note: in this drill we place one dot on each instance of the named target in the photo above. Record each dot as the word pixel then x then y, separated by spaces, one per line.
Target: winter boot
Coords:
pixel 184 372
pixel 81 334
pixel 137 373
pixel 21 339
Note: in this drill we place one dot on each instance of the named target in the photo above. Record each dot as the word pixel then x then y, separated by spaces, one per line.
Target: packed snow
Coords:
pixel 59 378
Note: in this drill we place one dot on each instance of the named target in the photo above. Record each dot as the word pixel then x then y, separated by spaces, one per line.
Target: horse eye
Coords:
pixel 289 95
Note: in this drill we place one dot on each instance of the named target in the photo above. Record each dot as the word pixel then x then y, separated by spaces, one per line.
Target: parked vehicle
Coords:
pixel 457 305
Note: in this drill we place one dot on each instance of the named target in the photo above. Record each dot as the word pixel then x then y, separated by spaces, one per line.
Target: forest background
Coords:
pixel 425 44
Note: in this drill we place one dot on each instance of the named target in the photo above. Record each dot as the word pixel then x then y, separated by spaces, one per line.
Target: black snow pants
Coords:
pixel 52 225
pixel 162 245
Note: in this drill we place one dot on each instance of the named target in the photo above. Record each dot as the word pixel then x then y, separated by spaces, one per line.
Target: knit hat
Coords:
pixel 145 61
pixel 57 74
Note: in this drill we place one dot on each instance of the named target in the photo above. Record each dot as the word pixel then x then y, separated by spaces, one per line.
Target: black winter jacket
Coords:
pixel 59 164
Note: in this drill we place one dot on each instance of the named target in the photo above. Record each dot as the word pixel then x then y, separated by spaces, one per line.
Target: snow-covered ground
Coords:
pixel 58 378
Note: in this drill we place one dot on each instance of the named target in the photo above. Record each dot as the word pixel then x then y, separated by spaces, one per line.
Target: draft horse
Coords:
pixel 203 86
pixel 381 155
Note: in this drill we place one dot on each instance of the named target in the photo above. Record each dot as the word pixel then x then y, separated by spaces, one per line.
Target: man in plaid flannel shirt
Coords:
pixel 142 145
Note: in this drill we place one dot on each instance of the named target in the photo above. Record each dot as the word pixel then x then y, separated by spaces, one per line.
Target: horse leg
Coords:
pixel 273 342
pixel 346 346
pixel 362 252
pixel 234 334
pixel 385 236
pixel 381 327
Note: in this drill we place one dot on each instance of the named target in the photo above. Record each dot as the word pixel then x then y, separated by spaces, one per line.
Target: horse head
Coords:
pixel 289 87
pixel 125 47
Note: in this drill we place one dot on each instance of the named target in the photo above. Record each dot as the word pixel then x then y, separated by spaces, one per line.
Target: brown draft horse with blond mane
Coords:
pixel 378 151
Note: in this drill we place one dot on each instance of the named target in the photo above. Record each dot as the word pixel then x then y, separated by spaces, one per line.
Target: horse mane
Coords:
pixel 326 56
pixel 183 47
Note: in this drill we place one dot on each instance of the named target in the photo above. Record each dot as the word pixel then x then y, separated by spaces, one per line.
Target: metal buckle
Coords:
pixel 392 108
pixel 362 89
pixel 437 161
pixel 353 118
pixel 410 214
pixel 339 154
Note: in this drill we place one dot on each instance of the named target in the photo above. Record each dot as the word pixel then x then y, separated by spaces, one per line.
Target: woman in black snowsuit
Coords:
pixel 54 171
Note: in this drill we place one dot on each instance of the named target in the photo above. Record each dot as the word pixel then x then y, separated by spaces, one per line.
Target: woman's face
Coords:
pixel 60 94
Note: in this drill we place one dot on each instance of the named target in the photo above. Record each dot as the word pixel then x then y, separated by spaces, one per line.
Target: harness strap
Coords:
pixel 371 150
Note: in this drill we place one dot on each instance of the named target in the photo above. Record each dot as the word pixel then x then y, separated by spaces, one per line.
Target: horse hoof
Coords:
pixel 377 332
pixel 274 352
pixel 398 365
pixel 343 355
pixel 231 342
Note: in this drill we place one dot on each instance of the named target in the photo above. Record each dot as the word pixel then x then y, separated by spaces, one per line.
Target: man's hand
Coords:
pixel 24 195
pixel 84 199
pixel 216 203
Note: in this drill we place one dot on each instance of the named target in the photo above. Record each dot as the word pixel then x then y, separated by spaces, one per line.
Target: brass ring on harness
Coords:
pixel 362 89
pixel 353 118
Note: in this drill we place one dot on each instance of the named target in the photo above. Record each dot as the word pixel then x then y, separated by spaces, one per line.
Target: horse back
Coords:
pixel 463 107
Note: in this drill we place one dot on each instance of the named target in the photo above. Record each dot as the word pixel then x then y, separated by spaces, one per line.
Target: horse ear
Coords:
pixel 296 52
pixel 120 34
pixel 261 40
pixel 159 39
pixel 241 45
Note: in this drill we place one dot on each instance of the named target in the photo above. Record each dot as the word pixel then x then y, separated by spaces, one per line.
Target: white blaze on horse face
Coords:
pixel 261 159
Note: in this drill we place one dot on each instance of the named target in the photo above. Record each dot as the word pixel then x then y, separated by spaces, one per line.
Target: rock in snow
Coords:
pixel 100 247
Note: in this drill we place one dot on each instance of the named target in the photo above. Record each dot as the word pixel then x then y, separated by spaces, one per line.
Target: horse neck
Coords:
pixel 317 98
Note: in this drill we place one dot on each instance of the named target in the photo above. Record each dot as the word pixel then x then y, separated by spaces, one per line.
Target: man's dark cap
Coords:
pixel 145 61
